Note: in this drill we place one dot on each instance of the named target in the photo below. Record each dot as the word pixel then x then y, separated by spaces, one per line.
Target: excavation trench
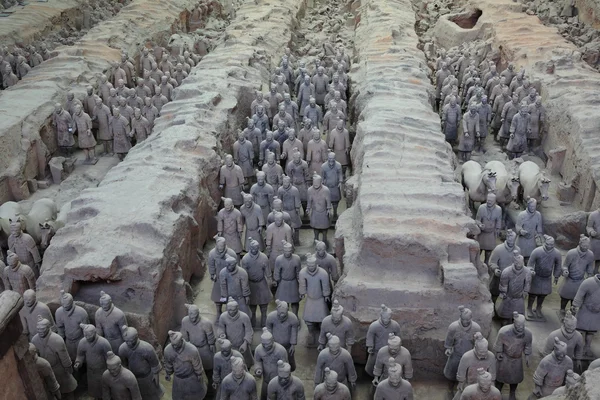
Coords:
pixel 159 204
pixel 27 139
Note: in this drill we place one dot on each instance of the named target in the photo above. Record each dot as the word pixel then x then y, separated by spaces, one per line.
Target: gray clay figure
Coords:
pixel 546 262
pixel 333 178
pixel 216 262
pixel 30 314
pixel 253 220
pixel 483 389
pixel 277 233
pixel 528 228
pixel 273 172
pixel 86 140
pixel 519 131
pixel 502 257
pixel 314 287
pixel 262 194
pixel 578 265
pixel 339 325
pixel 569 334
pixel 489 220
pixel 119 383
pixel 267 146
pixel 319 207
pixel 587 307
pixel 286 275
pixel 200 332
pixel 451 117
pixel 16 276
pixel 23 245
pixel 331 389
pixel 110 321
pixel 46 374
pixel 378 335
pixel 297 170
pixel 69 318
pixel 285 386
pixel 396 352
pixel 473 360
pixel 515 282
pixel 239 384
pixel 552 370
pixel 91 351
pixel 234 284
pixel 316 153
pixel 327 261
pixel 256 265
pixel 182 360
pixel 231 181
pixel 284 326
pixel 230 225
pixel 236 327
pixel 266 356
pixel 459 339
pixel 394 387
pixel 243 155
pixel 336 359
pixel 222 364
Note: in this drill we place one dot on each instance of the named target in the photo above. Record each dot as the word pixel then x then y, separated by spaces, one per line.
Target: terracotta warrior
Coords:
pixel 199 331
pixel 514 286
pixel 339 142
pixel 125 109
pixel 243 155
pixel 119 130
pixel 110 321
pixel 236 327
pixel 470 122
pixel 314 112
pixel 519 130
pixel 297 170
pixel 266 356
pixel 267 146
pixel 339 325
pixel 274 98
pixel 230 226
pixel 231 181
pixel 578 265
pixel 306 133
pixel 89 102
pixel 273 172
pixel 150 112
pixel 291 203
pixel 501 258
pixel 8 77
pixel 378 335
pixel 336 359
pixel 104 88
pixel 513 341
pixel 587 306
pixel 546 262
pixel 159 100
pixel 30 313
pixel 63 123
pixel 489 220
pixel 87 142
pixel 571 381
pixel 46 374
pixel 459 339
pixel 552 370
pixel 593 232
pixel 528 227
pixel 285 277
pixel 113 99
pixel 316 153
pixel 319 207
pixel 396 352
pixel 254 222
pixel 277 207
pixel 216 262
pixel 118 383
pixel 330 388
pixel 183 360
pixel 333 177
pixel 258 101
pixel 222 364
pixel 261 121
pixel 277 232
pixel 140 127
pixel 291 145
pixel 482 389
pixel 567 333
pixel 91 351
pixel 537 122
pixel 239 384
pixel 326 261
pixel 314 286
pixel 141 359
pixel 69 321
pixel 102 117
pixel 451 117
pixel 477 358
pixel 331 119
pixel 17 277
pixel 256 265
pixel 284 326
pixel 141 90
pixel 394 387
pixel 71 103
pixel 234 284
pixel 285 386
pixel 499 102
pixel 52 348
pixel 283 116
pixel 263 194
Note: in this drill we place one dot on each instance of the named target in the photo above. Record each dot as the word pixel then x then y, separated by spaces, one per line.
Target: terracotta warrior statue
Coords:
pixel 291 203
pixel 552 370
pixel 284 326
pixel 333 177
pixel 314 286
pixel 216 262
pixel 316 153
pixel 17 277
pixel 140 127
pixel 396 352
pixel 222 364
pixel 273 172
pixel 593 232
pixel 286 277
pixel 231 181
pixel 459 339
pixel 519 131
pixel 46 373
pixel 235 326
pixel 571 381
pixel 339 325
pixel 470 122
pixel 477 358
pixel 102 117
pixel 243 155
pixel 586 305
pixel 256 265
pixel 297 170
pixel 63 123
pixel 239 384
pixel 489 220
pixel 513 341
pixel 528 227
pixel 263 194
pixel 183 360
pixel 277 207
pixel 331 389
pixel 52 348
pixel 568 334
pixel 118 383
pixel 578 265
pixel 141 359
pixel 23 245
pixel 285 386
pixel 69 318
pixel 515 283
pixel 87 142
pixel 268 145
pixel 502 257
pixel 110 321
pixel 91 351
pixel 319 208
pixel 546 262
pixel 200 332
pixel 394 387
pixel 234 284
pixel 327 261
pixel 482 389
pixel 277 233
pixel 378 335
pixel 266 356
pixel 120 132
pixel 30 313
pixel 230 225
pixel 337 359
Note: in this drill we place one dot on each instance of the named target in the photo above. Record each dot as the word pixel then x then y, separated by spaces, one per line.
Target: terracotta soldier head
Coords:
pixel 333 343
pixel 231 263
pixel 16 227
pixel 284 373
pixel 484 380
pixel 307 80
pixel 296 157
pixel 331 380
pixel 466 316
pixel 105 301
pixel 261 178
pixel 229 160
pixel 248 199
pixel 241 137
pixel 130 334
pixel 385 315
pixel 519 262
pixel 571 379
pixel 233 307
pixel 569 323
pixel 394 344
pixel 42 327
pixel 337 312
pixel 282 310
pixel 254 247
pixel 266 339
pixel 560 349
pixel 113 363
pixel 331 155
pixel 238 368
pixel 481 346
pixel 269 136
pixel 176 339
pixel 98 101
pixel 287 181
pixel 12 259
pixel 511 237
pixel 321 248
pixel 29 298
pixel 259 96
pixel 225 346
pixel 312 102
pixel 548 242
pixel 89 332
pixel 220 244
pixel 584 243
pixel 317 181
pixel 193 313
pixel 278 217
pixel 311 263
pixel 394 372
pixel 518 323
pixel 287 249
